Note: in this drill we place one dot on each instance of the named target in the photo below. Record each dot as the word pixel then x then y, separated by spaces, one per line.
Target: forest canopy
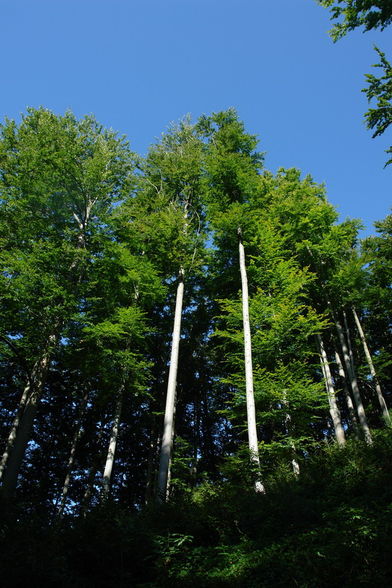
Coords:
pixel 196 364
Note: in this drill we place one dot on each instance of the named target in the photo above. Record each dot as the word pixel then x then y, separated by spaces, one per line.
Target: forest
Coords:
pixel 195 365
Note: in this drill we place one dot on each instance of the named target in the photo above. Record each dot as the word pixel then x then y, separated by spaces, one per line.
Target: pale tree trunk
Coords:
pixel 21 433
pixel 380 396
pixel 107 473
pixel 168 426
pixel 250 399
pixel 14 428
pixel 354 385
pixel 349 402
pixel 333 407
pixel 71 459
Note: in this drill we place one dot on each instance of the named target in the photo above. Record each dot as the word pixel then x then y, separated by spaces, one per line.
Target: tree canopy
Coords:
pixel 116 267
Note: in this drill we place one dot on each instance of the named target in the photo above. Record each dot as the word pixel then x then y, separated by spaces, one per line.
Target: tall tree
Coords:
pixel 59 178
pixel 172 182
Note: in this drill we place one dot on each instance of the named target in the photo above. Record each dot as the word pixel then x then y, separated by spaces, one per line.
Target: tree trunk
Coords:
pixel 354 385
pixel 107 474
pixel 250 399
pixel 168 426
pixel 20 437
pixel 333 407
pixel 71 459
pixel 349 402
pixel 380 396
pixel 14 429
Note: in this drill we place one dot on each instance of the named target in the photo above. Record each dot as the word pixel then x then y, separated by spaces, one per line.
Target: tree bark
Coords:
pixel 22 427
pixel 354 385
pixel 14 428
pixel 250 399
pixel 168 426
pixel 380 396
pixel 71 459
pixel 349 402
pixel 333 407
pixel 108 470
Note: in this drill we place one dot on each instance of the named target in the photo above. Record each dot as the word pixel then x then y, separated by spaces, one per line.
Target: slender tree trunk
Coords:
pixel 250 399
pixel 349 402
pixel 22 434
pixel 14 429
pixel 168 426
pixel 71 459
pixel 107 473
pixel 333 407
pixel 354 385
pixel 380 396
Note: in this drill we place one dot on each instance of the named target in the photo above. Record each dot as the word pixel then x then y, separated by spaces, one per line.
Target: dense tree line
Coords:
pixel 181 329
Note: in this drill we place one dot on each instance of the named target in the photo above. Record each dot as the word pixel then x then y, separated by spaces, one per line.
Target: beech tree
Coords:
pixel 59 178
pixel 172 182
pixel 285 322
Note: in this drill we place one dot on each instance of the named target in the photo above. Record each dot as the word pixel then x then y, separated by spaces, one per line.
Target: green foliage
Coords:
pixel 333 522
pixel 370 14
pixel 90 249
pixel 380 88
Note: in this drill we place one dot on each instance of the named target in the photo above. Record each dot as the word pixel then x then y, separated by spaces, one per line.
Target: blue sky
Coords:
pixel 140 64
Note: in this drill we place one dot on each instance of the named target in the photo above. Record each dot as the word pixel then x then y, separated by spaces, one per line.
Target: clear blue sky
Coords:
pixel 140 64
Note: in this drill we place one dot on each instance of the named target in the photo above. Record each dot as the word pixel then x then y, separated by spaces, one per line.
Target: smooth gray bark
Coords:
pixel 250 399
pixel 333 406
pixel 380 396
pixel 91 478
pixel 108 470
pixel 354 384
pixel 20 437
pixel 168 425
pixel 23 436
pixel 14 428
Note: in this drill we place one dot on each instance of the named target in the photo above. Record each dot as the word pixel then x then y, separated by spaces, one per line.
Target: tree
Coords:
pixel 60 177
pixel 370 14
pixel 172 185
pixel 380 118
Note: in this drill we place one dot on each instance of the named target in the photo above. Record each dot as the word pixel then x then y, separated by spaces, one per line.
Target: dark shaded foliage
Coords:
pixel 331 527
